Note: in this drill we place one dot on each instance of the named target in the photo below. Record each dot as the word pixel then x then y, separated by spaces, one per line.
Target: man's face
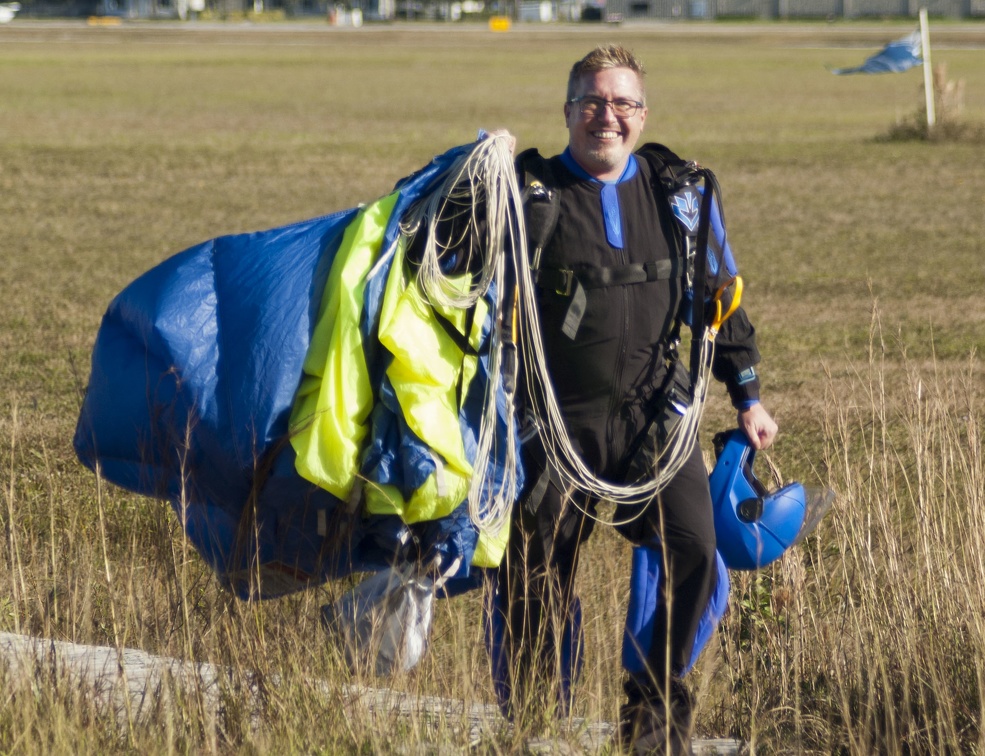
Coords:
pixel 602 143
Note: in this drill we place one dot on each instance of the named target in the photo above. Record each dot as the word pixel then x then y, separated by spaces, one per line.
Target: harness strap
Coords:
pixel 541 204
pixel 700 284
pixel 563 281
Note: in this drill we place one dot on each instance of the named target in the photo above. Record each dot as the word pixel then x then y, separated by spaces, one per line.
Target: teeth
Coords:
pixel 604 134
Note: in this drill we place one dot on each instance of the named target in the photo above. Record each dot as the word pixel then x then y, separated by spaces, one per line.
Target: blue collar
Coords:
pixel 572 165
pixel 610 197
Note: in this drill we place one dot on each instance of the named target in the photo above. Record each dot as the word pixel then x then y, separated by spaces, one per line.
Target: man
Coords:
pixel 611 357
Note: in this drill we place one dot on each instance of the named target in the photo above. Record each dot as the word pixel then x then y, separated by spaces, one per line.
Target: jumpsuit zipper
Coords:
pixel 618 392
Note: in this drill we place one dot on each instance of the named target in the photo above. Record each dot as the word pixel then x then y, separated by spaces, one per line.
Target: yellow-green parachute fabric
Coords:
pixel 328 422
pixel 427 367
pixel 426 370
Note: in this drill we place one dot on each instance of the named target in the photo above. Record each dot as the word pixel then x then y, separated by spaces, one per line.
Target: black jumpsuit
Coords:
pixel 607 381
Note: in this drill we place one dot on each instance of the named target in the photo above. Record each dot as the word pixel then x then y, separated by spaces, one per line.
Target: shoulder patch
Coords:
pixel 686 205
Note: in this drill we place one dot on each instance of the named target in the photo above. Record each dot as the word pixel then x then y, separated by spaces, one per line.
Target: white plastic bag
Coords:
pixel 384 623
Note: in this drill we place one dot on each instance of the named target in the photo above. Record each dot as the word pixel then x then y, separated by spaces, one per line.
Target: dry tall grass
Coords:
pixel 869 639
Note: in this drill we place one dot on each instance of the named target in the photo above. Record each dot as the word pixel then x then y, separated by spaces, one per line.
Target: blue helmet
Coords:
pixel 753 526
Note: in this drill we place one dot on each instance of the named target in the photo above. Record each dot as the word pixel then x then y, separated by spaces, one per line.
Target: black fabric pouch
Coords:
pixel 672 402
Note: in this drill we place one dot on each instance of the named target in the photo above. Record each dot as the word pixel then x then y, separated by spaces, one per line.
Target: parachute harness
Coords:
pixel 486 175
pixel 679 445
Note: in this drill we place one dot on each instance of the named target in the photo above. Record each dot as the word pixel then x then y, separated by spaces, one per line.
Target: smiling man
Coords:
pixel 611 265
pixel 605 113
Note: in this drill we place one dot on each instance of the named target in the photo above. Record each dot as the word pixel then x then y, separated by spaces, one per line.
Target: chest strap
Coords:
pixel 563 281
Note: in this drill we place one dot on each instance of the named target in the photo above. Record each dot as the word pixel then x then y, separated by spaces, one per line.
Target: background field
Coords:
pixel 863 262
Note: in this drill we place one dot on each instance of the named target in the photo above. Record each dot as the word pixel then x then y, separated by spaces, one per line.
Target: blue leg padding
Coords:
pixel 571 656
pixel 644 593
pixel 713 614
pixel 644 590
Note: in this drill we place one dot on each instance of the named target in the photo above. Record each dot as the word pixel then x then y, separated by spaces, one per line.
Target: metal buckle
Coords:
pixel 567 279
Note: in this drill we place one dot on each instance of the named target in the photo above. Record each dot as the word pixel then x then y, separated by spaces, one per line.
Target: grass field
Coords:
pixel 863 262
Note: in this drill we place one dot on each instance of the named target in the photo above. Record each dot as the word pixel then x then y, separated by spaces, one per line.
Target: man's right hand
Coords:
pixel 496 133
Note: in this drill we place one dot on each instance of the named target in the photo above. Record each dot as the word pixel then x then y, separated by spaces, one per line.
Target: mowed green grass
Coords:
pixel 120 147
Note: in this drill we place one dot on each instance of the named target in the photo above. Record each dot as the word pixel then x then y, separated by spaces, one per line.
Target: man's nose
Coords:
pixel 608 112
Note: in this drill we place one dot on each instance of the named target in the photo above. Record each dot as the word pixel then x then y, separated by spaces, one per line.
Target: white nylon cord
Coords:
pixel 485 176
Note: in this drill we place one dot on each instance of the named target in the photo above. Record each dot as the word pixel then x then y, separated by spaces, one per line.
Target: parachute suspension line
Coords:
pixel 553 432
pixel 504 230
pixel 491 501
pixel 473 182
pixel 675 453
pixel 482 186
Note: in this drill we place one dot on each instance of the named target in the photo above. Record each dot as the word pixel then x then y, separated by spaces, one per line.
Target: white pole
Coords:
pixel 928 73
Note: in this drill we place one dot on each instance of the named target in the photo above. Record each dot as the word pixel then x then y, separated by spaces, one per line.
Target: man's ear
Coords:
pixel 567 112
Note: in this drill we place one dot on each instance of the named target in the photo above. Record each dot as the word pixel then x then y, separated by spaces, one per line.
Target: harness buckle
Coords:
pixel 567 282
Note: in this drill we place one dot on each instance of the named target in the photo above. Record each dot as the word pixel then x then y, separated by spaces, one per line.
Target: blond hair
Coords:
pixel 602 58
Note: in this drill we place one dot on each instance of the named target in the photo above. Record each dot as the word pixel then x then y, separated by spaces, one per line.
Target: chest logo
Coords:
pixel 686 207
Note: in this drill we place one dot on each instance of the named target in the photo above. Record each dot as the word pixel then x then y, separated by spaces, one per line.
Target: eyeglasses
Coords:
pixel 590 105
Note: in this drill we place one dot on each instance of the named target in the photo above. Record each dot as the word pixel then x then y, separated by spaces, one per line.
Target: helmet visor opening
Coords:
pixel 817 503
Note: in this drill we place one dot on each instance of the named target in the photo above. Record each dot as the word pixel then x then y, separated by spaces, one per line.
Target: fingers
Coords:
pixel 502 134
pixel 757 424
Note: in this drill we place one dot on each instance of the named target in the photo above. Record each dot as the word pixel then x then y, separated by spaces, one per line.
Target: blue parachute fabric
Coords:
pixel 395 455
pixel 451 537
pixel 194 373
pixel 191 363
pixel 896 57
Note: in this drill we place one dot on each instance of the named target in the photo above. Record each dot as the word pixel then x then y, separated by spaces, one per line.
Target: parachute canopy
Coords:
pixel 261 382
